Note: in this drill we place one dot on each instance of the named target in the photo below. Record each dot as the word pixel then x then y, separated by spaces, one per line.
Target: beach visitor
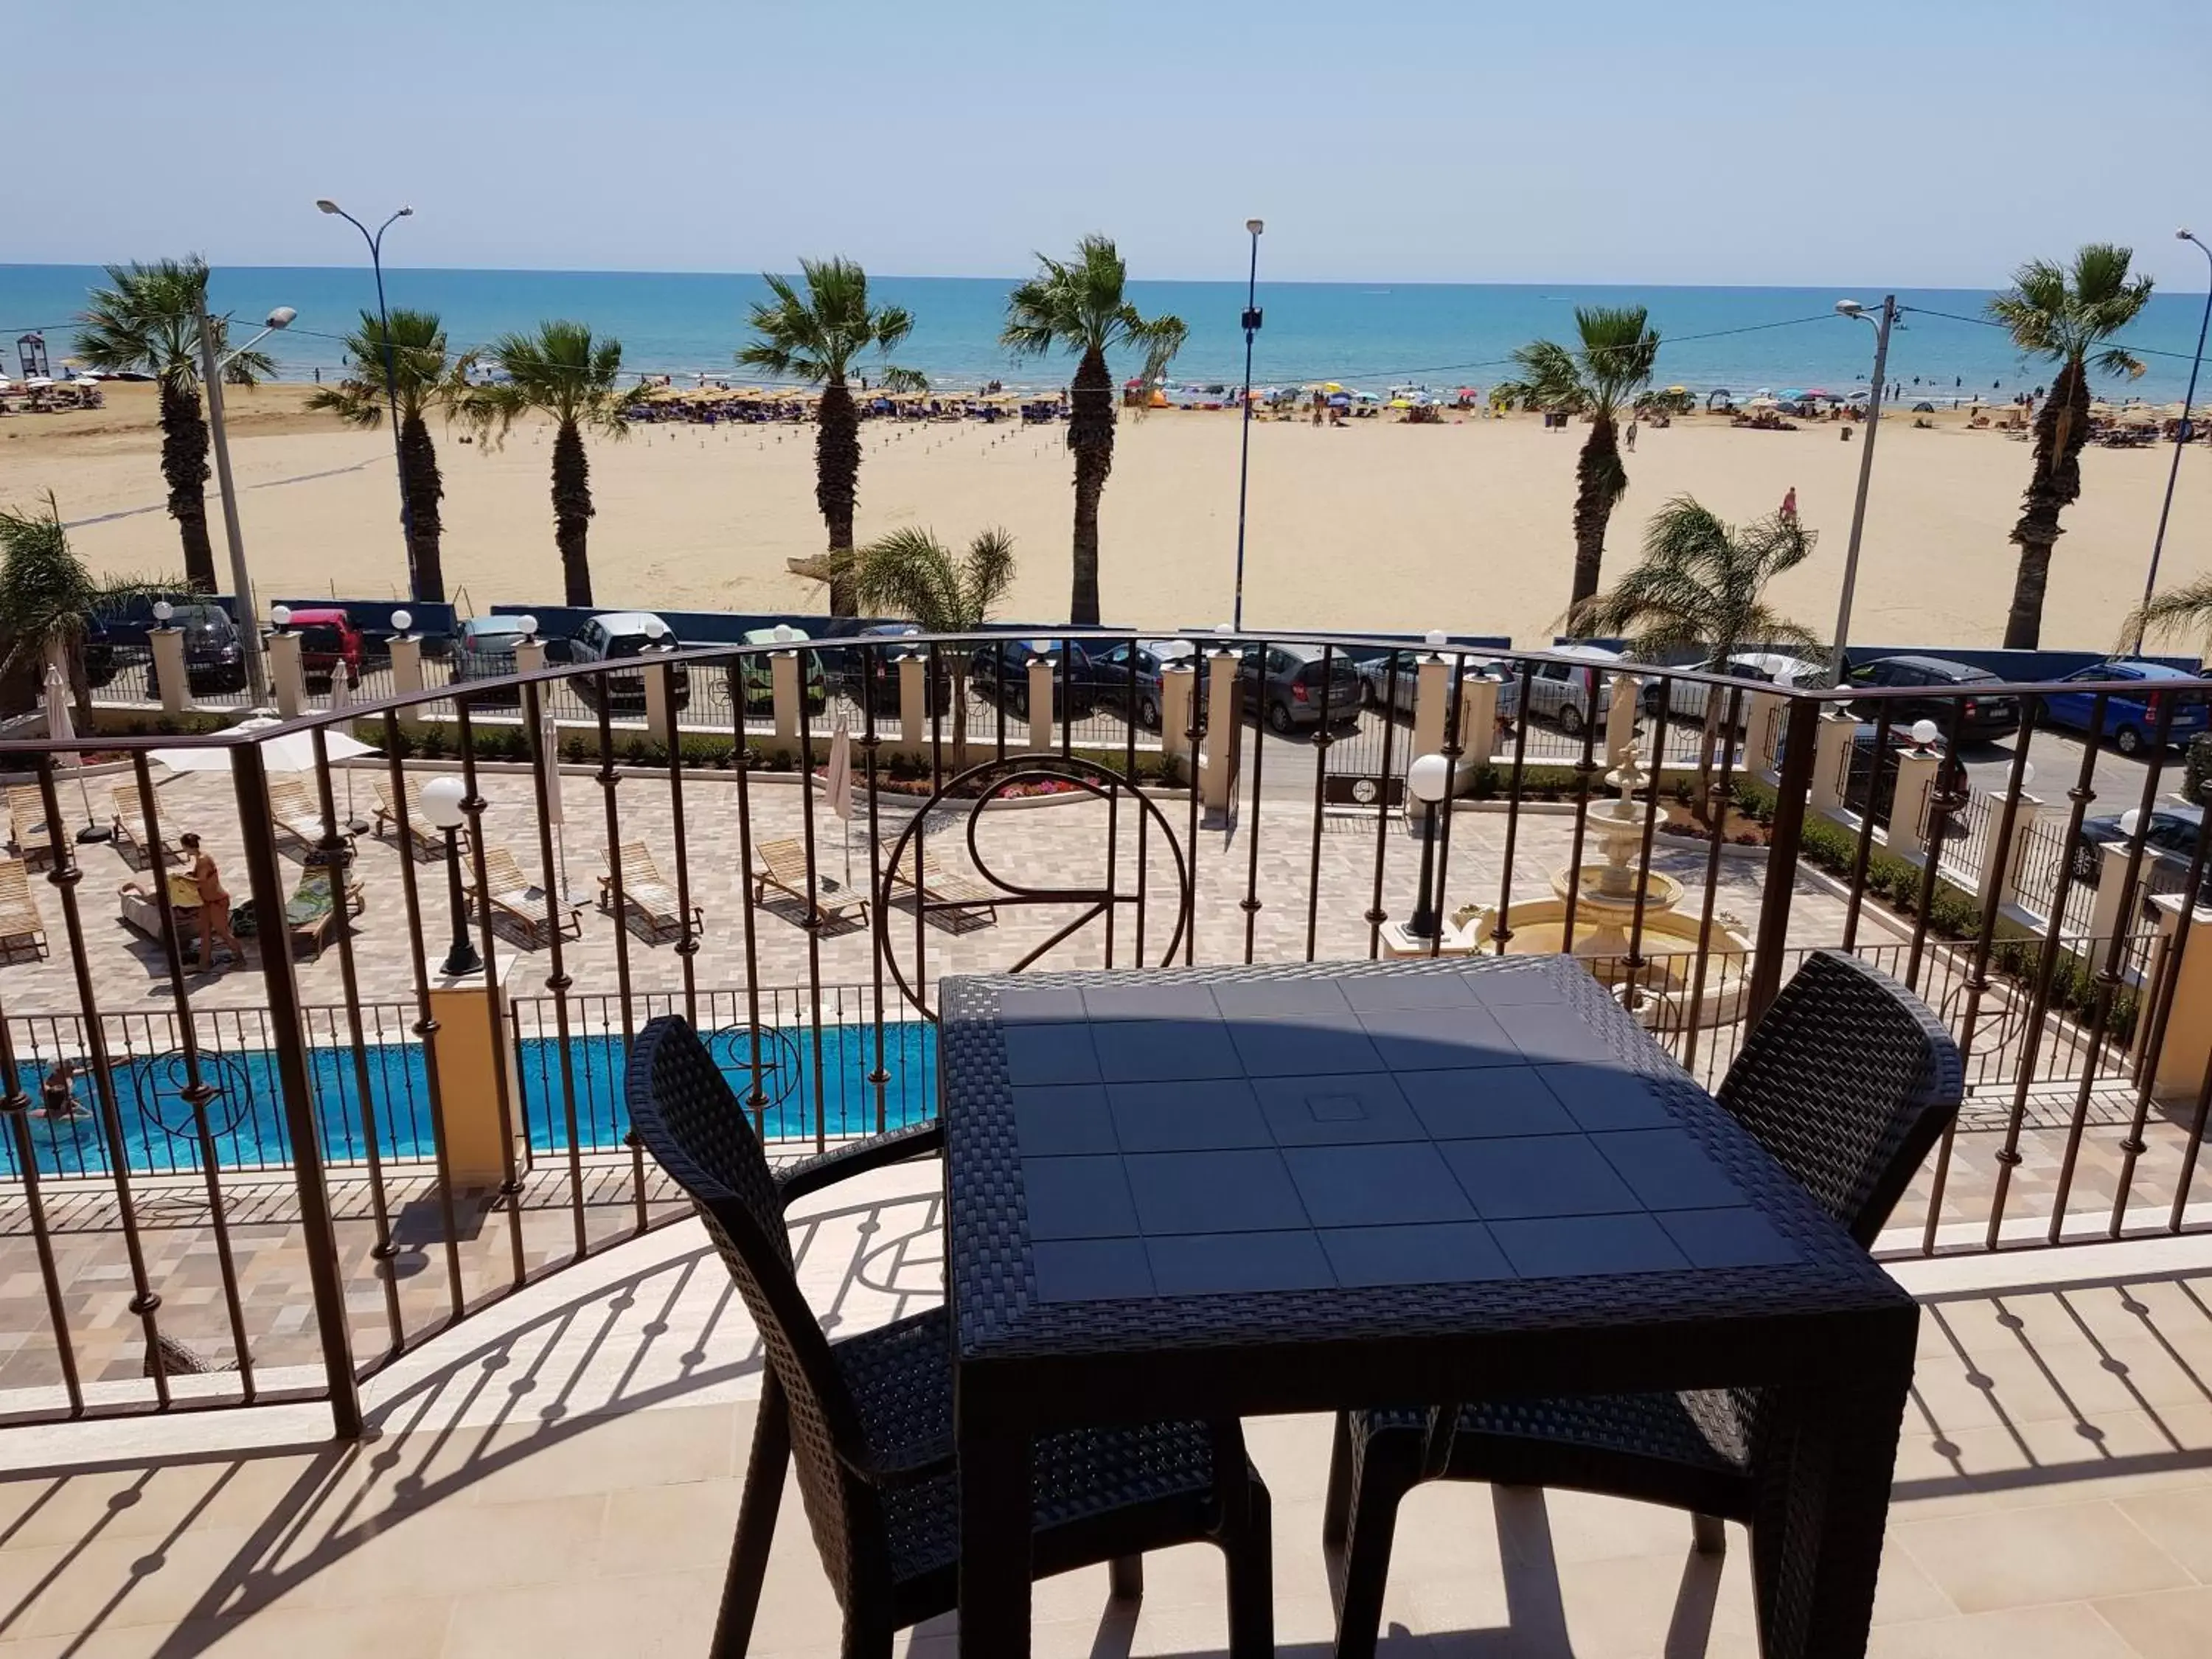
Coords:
pixel 215 903
pixel 1630 435
pixel 1790 505
pixel 58 1092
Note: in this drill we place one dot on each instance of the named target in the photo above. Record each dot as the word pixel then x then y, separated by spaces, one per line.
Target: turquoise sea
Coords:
pixel 1369 336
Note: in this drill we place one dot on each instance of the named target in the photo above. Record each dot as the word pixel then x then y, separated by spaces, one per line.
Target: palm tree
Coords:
pixel 2062 314
pixel 814 338
pixel 144 323
pixel 1077 306
pixel 909 572
pixel 2179 610
pixel 1600 379
pixel 1701 585
pixel 561 372
pixel 422 381
pixel 47 600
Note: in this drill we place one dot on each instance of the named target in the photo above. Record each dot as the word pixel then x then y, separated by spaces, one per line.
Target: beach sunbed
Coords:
pixel 952 889
pixel 509 892
pixel 293 810
pixel 647 891
pixel 783 866
pixel 29 834
pixel 20 924
pixel 139 909
pixel 313 911
pixel 130 826
pixel 422 841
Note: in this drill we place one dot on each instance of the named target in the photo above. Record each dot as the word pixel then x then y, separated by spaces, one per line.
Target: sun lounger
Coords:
pixel 130 828
pixel 28 832
pixel 422 841
pixel 783 866
pixel 20 924
pixel 515 896
pixel 293 810
pixel 647 891
pixel 313 911
pixel 950 890
pixel 138 909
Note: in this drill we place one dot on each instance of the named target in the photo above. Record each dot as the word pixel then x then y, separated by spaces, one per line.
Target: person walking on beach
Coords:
pixel 1790 505
pixel 1629 437
pixel 215 903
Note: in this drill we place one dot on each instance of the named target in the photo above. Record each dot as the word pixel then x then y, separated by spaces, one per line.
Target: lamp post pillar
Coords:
pixel 1866 476
pixel 1244 457
pixel 2180 437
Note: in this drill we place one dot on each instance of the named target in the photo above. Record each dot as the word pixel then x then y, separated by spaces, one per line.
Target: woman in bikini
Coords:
pixel 215 903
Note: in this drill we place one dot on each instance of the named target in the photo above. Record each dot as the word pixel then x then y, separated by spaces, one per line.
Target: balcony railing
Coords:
pixel 291 1173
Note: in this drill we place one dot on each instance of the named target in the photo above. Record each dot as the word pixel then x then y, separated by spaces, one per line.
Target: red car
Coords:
pixel 327 637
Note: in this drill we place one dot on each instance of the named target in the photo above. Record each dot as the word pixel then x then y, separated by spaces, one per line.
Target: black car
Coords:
pixel 1142 701
pixel 1285 689
pixel 873 654
pixel 99 652
pixel 1003 667
pixel 1953 697
pixel 2169 843
pixel 1870 781
pixel 214 658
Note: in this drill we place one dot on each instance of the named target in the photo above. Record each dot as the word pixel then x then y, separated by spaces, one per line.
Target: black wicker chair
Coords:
pixel 868 1420
pixel 1847 1082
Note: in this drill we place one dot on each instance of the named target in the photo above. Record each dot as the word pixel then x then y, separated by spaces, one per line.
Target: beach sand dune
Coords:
pixel 1376 525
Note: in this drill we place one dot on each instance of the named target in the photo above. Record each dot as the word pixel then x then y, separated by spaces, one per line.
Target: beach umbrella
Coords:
pixel 292 752
pixel 1791 394
pixel 60 728
pixel 837 789
pixel 549 763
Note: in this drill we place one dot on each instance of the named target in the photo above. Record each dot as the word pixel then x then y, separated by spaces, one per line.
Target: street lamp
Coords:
pixel 212 368
pixel 1244 458
pixel 1853 308
pixel 2180 432
pixel 443 799
pixel 375 240
pixel 1427 778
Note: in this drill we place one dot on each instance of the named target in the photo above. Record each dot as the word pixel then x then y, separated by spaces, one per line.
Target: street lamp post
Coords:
pixel 2180 434
pixel 1244 460
pixel 212 368
pixel 1427 778
pixel 1853 308
pixel 375 240
pixel 443 805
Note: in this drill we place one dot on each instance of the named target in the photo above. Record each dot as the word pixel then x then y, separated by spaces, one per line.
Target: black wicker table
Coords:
pixel 1206 1193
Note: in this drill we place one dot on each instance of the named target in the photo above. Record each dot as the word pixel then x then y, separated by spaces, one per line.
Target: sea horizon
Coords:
pixel 1370 334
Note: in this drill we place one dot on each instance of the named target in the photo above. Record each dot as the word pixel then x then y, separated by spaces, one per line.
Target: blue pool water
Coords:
pixel 246 1116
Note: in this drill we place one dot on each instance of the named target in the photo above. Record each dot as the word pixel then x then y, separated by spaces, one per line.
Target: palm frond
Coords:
pixel 2178 611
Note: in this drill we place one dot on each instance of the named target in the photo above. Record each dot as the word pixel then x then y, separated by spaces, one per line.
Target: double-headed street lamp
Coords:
pixel 1853 308
pixel 375 240
pixel 2180 433
pixel 211 369
pixel 1244 462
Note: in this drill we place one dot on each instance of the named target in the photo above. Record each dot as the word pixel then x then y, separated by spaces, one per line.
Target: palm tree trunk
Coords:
pixel 1091 436
pixel 1599 481
pixel 837 478
pixel 420 482
pixel 572 512
pixel 185 465
pixel 2061 430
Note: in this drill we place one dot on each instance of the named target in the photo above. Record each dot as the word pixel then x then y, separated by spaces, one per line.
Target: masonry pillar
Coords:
pixel 1478 728
pixel 2109 912
pixel 1908 806
pixel 1040 698
pixel 475 1057
pixel 407 676
pixel 1999 877
pixel 287 680
pixel 1832 750
pixel 783 690
pixel 168 644
pixel 1762 731
pixel 1432 701
pixel 1178 691
pixel 529 655
pixel 1225 729
pixel 913 700
pixel 660 703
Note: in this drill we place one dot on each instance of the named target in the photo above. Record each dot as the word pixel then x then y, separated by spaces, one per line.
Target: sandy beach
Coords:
pixel 1463 526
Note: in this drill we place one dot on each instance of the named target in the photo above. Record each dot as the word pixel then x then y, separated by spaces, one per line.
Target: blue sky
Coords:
pixel 1705 140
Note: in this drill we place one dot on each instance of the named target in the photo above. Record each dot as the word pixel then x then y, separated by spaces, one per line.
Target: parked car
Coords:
pixel 327 638
pixel 758 679
pixel 483 649
pixel 214 657
pixel 1976 716
pixel 99 652
pixel 1151 656
pixel 1566 691
pixel 2169 844
pixel 1869 780
pixel 1006 663
pixel 1285 687
pixel 1686 700
pixel 847 668
pixel 1379 684
pixel 611 636
pixel 2130 719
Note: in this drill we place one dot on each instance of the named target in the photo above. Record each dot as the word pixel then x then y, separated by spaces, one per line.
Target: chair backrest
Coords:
pixel 15 885
pixel 1847 1082
pixel 26 804
pixel 685 1114
pixel 501 873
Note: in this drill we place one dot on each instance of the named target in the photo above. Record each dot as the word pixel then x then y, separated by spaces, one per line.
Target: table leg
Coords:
pixel 1817 1542
pixel 994 1530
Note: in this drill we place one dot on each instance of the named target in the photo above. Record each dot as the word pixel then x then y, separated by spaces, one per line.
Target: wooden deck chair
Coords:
pixel 945 887
pixel 295 812
pixel 509 892
pixel 422 841
pixel 783 866
pixel 647 891
pixel 20 924
pixel 130 830
pixel 29 834
pixel 315 909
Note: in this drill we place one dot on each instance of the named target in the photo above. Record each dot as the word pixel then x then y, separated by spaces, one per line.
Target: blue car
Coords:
pixel 2131 718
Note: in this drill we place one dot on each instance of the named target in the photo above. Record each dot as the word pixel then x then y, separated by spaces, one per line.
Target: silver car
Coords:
pixel 1564 691
pixel 1685 699
pixel 1382 685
